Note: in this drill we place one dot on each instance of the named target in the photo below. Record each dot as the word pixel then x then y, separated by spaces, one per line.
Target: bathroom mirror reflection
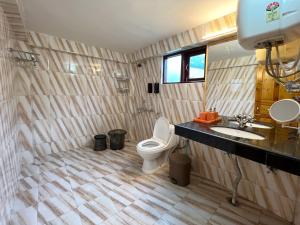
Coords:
pixel 241 82
pixel 231 79
pixel 227 50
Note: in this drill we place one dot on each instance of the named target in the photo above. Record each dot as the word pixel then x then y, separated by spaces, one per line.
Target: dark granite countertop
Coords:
pixel 280 148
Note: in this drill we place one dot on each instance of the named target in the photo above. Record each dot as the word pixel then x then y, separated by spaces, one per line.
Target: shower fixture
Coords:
pixel 22 57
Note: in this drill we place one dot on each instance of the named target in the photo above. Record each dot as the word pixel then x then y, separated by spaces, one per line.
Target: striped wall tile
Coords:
pixel 14 15
pixel 195 92
pixel 78 106
pixel 24 137
pixel 279 205
pixel 24 111
pixel 77 84
pixel 22 81
pixel 78 126
pixel 284 184
pixel 94 86
pixel 40 106
pixel 174 91
pixel 42 149
pixel 60 44
pixel 113 104
pixel 94 105
pixel 60 129
pixel 41 131
pixel 40 84
pixel 59 61
pixel 59 83
pixel 59 106
pixel 60 146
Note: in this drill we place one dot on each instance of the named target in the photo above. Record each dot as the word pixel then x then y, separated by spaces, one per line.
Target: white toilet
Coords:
pixel 163 141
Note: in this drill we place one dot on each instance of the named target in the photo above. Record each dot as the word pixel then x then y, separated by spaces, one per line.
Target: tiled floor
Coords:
pixel 83 187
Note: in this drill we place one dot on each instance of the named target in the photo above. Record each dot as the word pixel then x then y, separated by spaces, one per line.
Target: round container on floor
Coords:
pixel 180 168
pixel 117 139
pixel 100 142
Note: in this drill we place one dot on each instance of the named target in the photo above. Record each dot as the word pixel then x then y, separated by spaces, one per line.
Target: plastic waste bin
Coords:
pixel 180 169
pixel 117 139
pixel 100 142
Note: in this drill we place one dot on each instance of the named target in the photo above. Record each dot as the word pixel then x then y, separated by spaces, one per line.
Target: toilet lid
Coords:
pixel 162 130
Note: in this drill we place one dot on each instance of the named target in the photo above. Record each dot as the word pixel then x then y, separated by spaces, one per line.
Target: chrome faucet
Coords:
pixel 243 119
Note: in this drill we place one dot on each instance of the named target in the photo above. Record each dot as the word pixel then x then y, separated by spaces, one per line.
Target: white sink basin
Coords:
pixel 254 125
pixel 237 133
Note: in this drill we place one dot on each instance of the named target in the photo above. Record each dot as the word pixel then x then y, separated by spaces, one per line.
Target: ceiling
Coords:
pixel 122 25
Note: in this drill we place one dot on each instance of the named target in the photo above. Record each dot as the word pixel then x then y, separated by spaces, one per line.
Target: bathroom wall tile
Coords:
pixel 94 85
pixel 78 64
pixel 42 149
pixel 90 125
pixel 24 111
pixel 78 106
pixel 178 108
pixel 174 91
pixel 280 205
pixel 195 91
pixel 41 131
pixel 113 105
pixel 60 129
pixel 78 127
pixel 40 84
pixel 94 66
pixel 40 105
pixel 249 169
pixel 38 39
pixel 93 104
pixel 59 62
pixel 22 81
pixel 59 83
pixel 280 182
pixel 193 108
pixel 109 86
pixel 60 106
pixel 60 146
pixel 24 137
pixel 77 84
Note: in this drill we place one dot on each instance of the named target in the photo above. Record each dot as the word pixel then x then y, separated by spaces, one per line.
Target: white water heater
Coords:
pixel 262 23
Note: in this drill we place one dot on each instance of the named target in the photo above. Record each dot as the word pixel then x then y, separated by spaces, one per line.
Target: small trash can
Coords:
pixel 117 139
pixel 100 142
pixel 180 168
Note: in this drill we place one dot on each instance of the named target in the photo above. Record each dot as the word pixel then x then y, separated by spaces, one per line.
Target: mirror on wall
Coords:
pixel 231 79
pixel 227 50
pixel 236 83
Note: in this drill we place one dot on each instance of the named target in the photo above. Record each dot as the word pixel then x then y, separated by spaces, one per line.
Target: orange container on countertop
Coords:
pixel 203 115
pixel 210 116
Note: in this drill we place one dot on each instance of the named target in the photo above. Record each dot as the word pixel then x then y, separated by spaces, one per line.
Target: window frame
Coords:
pixel 185 58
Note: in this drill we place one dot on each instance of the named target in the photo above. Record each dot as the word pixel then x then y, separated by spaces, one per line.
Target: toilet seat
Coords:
pixel 151 145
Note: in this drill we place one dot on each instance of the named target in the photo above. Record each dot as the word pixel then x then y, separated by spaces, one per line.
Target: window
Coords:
pixel 185 66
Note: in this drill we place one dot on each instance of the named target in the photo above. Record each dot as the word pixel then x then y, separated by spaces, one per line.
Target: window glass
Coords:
pixel 173 69
pixel 185 66
pixel 197 66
